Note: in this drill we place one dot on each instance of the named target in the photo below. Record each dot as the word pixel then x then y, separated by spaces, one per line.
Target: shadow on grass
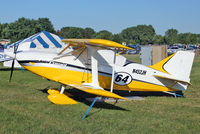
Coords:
pixel 146 93
pixel 81 96
pixel 94 112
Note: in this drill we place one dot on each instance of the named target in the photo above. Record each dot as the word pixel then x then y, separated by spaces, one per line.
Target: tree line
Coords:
pixel 140 34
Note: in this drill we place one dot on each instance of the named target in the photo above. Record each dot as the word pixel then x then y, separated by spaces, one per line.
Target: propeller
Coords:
pixel 13 62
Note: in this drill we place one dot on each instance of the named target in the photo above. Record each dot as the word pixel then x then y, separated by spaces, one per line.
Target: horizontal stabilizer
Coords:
pixel 98 92
pixel 173 78
pixel 61 99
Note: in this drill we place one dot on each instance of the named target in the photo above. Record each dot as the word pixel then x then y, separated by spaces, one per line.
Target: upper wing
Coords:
pixel 96 42
pixel 101 43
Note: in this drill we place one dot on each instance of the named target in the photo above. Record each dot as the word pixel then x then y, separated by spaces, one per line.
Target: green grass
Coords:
pixel 133 57
pixel 25 109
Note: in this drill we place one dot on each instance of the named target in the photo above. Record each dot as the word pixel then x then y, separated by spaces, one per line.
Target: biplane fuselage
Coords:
pixel 128 75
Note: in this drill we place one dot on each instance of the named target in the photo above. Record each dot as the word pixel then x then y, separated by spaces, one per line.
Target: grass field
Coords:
pixel 25 109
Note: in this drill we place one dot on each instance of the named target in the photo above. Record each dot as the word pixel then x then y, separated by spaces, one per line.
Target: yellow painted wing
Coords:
pixel 98 92
pixel 61 99
pixel 96 42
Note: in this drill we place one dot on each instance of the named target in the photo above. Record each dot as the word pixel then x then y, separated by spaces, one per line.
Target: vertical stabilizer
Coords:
pixel 178 64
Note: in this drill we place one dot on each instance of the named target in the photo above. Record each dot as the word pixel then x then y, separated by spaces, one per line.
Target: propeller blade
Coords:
pixel 12 68
pixel 15 48
pixel 13 63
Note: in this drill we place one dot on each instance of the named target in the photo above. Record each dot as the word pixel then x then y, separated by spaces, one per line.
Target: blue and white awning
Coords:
pixel 42 39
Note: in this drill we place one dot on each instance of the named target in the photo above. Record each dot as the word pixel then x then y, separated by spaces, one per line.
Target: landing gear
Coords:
pixel 174 94
pixel 62 89
pixel 57 91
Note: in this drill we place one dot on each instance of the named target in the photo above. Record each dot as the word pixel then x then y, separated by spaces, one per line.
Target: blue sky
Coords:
pixel 111 15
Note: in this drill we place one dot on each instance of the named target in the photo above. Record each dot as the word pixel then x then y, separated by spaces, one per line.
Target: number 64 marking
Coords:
pixel 122 78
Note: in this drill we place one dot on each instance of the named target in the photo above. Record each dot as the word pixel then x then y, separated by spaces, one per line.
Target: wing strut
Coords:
pixel 113 72
pixel 94 67
pixel 95 99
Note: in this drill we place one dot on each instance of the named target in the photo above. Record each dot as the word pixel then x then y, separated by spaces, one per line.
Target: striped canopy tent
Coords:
pixel 40 40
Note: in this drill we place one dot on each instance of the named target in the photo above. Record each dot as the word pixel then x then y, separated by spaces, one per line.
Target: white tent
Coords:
pixel 43 41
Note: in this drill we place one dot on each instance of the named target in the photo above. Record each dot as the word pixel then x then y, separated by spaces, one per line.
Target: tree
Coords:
pixel 188 38
pixel 44 24
pixel 89 33
pixel 141 34
pixel 23 28
pixel 1 28
pixel 192 38
pixel 18 29
pixel 104 34
pixel 158 39
pixel 182 38
pixel 72 32
pixel 171 36
pixel 198 38
pixel 117 38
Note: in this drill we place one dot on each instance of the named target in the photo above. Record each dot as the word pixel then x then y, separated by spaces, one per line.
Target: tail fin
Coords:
pixel 178 64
